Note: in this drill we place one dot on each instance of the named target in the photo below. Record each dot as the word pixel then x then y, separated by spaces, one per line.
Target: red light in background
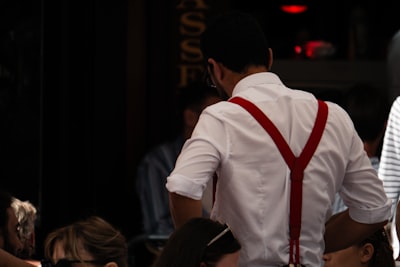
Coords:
pixel 297 49
pixel 294 9
pixel 317 49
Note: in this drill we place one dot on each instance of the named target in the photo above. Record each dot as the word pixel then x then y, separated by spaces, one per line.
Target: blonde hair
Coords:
pixel 97 236
pixel 25 212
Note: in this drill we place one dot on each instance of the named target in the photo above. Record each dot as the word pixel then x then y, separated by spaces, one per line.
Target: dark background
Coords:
pixel 87 87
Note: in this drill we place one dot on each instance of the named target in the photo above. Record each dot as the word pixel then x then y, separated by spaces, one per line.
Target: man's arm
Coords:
pixel 9 260
pixel 183 208
pixel 350 231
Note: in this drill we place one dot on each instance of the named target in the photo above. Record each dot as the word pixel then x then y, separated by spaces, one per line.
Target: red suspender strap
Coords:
pixel 296 164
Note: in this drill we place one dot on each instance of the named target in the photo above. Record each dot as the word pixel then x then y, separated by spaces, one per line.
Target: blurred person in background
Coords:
pixel 368 108
pixel 26 214
pixel 157 164
pixel 10 243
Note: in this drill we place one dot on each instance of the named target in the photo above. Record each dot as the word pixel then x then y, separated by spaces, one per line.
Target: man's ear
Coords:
pixel 366 252
pixel 271 58
pixel 215 69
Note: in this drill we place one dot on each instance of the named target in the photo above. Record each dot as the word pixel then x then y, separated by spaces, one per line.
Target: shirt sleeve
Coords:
pixel 389 167
pixel 199 158
pixel 362 191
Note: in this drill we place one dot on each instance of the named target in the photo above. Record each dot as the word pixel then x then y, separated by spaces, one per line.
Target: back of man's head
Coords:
pixel 194 95
pixel 236 40
pixel 192 99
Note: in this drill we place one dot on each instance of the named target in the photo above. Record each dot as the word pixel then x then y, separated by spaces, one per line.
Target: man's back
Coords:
pixel 253 189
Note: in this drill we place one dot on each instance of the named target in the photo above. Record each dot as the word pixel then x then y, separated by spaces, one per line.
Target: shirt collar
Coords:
pixel 255 79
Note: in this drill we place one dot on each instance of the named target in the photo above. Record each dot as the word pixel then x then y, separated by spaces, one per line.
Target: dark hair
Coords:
pixel 235 39
pixel 194 95
pixel 383 251
pixel 188 245
pixel 368 108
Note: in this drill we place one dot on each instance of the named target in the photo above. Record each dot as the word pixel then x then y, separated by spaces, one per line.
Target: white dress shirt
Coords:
pixel 253 190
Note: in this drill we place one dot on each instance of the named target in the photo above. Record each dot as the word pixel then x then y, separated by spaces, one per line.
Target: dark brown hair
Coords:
pixel 190 245
pixel 98 237
pixel 383 251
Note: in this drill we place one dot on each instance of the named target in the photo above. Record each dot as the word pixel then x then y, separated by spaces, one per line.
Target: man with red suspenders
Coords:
pixel 280 156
